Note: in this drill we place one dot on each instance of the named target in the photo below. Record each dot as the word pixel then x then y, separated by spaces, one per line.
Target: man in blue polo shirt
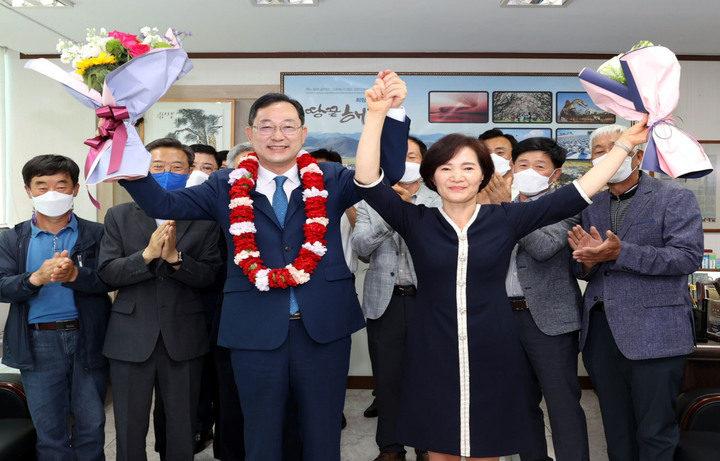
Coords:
pixel 58 314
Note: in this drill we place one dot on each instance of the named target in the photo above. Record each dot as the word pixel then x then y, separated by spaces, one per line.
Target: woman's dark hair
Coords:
pixel 443 150
pixel 50 164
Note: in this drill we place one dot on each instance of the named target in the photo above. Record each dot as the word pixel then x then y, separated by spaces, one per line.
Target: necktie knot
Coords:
pixel 279 181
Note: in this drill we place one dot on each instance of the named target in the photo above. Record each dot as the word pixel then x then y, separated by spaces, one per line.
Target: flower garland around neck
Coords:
pixel 242 225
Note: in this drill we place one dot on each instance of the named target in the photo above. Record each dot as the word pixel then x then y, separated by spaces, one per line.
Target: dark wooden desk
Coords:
pixel 703 367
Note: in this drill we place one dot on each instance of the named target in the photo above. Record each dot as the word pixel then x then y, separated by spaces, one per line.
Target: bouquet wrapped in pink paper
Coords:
pixel 647 80
pixel 119 76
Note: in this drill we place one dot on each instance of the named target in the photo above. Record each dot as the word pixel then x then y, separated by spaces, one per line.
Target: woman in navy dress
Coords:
pixel 463 391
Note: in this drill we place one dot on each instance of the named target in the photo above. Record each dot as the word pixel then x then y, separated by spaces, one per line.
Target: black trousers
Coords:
pixel 553 362
pixel 637 397
pixel 386 343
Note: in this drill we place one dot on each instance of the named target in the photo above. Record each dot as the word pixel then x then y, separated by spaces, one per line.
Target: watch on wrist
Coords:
pixel 179 260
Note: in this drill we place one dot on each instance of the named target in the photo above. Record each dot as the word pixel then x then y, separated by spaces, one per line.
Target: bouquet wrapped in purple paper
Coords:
pixel 646 80
pixel 119 76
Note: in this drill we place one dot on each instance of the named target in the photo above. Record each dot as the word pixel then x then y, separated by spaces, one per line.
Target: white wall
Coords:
pixel 43 118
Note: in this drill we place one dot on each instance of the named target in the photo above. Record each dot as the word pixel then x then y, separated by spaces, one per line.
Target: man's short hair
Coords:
pixel 173 143
pixel 50 164
pixel 549 146
pixel 421 145
pixel 239 149
pixel 495 133
pixel 326 154
pixel 444 149
pixel 272 98
pixel 610 130
pixel 207 149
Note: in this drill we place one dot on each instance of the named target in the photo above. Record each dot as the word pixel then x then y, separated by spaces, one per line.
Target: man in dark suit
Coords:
pixel 637 244
pixel 157 333
pixel 274 348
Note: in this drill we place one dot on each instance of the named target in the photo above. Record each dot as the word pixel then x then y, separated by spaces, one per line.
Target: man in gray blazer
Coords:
pixel 545 299
pixel 637 244
pixel 157 333
pixel 388 299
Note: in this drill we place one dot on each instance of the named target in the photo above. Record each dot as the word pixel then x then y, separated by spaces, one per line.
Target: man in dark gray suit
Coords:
pixel 637 244
pixel 157 334
pixel 545 299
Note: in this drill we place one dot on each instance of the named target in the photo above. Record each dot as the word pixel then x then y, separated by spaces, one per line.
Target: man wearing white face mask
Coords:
pixel 58 314
pixel 388 300
pixel 545 299
pixel 637 243
pixel 500 188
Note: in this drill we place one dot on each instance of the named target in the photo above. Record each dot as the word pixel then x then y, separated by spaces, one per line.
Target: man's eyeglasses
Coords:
pixel 287 130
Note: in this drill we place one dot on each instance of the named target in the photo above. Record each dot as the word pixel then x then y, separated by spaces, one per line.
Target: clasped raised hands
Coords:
pixel 389 91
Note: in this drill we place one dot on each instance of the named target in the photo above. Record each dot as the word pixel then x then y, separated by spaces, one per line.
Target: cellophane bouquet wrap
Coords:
pixel 646 80
pixel 140 73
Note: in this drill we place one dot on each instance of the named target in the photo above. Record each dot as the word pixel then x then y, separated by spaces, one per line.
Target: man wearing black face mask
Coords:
pixel 157 333
pixel 58 313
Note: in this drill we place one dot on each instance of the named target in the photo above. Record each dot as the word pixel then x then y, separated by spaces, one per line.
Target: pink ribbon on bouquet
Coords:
pixel 111 128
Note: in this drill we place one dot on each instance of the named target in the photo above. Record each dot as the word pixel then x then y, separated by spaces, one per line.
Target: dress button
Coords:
pixel 392 274
pixel 160 278
pixel 607 273
pixel 287 248
pixel 463 237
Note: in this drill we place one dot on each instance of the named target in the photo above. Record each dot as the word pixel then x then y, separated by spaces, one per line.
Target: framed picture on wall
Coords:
pixel 705 188
pixel 522 106
pixel 576 141
pixel 577 107
pixel 192 121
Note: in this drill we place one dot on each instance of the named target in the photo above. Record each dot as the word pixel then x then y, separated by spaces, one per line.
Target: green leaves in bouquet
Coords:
pixel 94 76
pixel 115 48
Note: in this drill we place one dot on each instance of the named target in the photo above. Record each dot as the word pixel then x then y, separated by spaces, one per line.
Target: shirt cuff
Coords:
pixel 397 114
pixel 582 192
pixel 372 184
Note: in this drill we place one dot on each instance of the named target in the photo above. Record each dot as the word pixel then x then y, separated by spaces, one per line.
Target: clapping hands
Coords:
pixel 591 249
pixel 59 268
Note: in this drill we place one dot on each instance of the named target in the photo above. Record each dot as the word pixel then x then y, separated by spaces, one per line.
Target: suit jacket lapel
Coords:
pixel 639 201
pixel 146 224
pixel 295 204
pixel 181 228
pixel 261 204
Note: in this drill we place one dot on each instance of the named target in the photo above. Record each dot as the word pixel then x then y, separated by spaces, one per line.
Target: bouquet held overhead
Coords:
pixel 119 76
pixel 646 80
